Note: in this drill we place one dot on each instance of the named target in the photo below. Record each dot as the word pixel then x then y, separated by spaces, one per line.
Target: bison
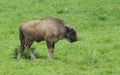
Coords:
pixel 49 29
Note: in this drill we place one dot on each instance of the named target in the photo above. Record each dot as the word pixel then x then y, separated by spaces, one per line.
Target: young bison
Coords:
pixel 49 29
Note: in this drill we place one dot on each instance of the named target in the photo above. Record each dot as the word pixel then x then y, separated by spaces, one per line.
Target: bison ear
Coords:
pixel 67 29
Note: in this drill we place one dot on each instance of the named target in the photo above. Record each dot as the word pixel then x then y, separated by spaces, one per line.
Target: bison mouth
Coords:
pixel 72 40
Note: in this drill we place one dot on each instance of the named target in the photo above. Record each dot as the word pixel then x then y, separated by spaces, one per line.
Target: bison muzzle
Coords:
pixel 49 29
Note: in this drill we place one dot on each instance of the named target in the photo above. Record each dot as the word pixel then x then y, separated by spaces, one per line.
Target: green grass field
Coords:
pixel 97 51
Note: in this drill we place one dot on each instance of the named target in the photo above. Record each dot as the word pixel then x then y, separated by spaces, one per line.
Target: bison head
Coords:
pixel 71 34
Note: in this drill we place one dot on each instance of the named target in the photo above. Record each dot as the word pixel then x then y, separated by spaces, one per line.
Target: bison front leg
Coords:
pixel 50 46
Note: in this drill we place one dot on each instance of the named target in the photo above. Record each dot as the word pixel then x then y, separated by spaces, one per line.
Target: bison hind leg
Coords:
pixel 21 48
pixel 27 46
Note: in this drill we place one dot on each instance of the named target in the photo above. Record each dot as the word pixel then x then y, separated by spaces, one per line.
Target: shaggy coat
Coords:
pixel 49 29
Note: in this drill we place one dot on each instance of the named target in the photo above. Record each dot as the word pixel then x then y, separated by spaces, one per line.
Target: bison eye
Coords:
pixel 73 33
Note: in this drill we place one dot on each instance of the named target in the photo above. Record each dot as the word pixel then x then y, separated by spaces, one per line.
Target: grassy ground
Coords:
pixel 95 53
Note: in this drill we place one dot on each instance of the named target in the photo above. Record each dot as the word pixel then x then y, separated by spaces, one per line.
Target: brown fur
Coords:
pixel 49 29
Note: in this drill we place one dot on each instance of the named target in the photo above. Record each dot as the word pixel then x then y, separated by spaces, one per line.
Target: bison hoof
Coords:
pixel 18 57
pixel 50 58
pixel 33 58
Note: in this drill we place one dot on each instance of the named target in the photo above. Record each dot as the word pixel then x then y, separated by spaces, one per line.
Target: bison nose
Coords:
pixel 76 40
pixel 73 40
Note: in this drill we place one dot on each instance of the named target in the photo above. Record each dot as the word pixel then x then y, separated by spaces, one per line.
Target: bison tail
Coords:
pixel 21 36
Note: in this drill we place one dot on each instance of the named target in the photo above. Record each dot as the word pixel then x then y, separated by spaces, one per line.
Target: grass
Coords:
pixel 95 53
pixel 25 54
